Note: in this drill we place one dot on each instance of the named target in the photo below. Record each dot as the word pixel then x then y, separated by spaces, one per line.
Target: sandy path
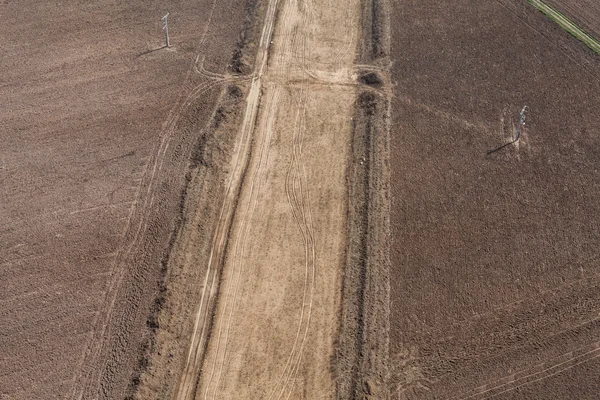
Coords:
pixel 275 322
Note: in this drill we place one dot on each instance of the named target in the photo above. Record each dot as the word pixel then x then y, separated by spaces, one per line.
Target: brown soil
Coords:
pixel 495 265
pixel 586 13
pixel 174 237
pixel 99 124
pixel 343 232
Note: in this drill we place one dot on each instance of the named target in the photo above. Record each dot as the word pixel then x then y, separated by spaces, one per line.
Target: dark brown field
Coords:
pixel 97 123
pixel 495 264
pixel 122 181
pixel 586 13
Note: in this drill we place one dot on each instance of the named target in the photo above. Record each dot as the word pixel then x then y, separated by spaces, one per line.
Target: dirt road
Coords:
pixel 282 226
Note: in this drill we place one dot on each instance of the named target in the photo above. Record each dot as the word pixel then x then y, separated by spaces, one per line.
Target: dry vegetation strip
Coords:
pixel 267 298
pixel 567 24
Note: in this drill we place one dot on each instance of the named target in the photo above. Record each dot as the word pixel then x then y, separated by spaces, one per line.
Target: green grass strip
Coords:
pixel 567 24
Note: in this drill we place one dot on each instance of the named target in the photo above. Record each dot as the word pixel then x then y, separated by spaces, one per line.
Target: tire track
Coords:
pixel 142 226
pixel 291 194
pixel 231 297
pixel 525 377
pixel 307 222
pixel 190 375
pixel 95 343
pixel 188 384
pixel 215 349
pixel 297 193
pixel 293 23
pixel 581 283
pixel 296 188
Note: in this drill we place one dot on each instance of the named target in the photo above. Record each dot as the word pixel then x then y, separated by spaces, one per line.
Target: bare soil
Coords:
pixel 253 285
pixel 298 200
pixel 98 126
pixel 495 265
pixel 274 274
pixel 586 13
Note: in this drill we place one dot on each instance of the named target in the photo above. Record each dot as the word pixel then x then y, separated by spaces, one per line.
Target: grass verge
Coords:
pixel 567 24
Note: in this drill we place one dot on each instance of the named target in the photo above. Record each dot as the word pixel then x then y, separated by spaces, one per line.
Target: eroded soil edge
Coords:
pixel 361 362
pixel 170 322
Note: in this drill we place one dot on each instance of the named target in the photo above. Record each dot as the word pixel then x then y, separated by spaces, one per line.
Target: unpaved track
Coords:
pixel 282 232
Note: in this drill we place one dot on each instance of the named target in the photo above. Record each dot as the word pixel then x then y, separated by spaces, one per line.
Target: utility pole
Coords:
pixel 519 127
pixel 166 29
pixel 521 122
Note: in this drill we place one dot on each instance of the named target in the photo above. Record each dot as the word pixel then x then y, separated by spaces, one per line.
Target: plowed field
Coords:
pixel 97 123
pixel 495 263
pixel 586 13
pixel 213 220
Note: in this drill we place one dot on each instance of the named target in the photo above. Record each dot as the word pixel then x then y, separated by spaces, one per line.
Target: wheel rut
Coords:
pixel 267 320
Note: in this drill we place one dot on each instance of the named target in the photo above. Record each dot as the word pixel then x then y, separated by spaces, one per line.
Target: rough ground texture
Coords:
pixel 361 361
pixel 278 249
pixel 495 264
pixel 180 309
pixel 586 13
pixel 98 125
pixel 267 285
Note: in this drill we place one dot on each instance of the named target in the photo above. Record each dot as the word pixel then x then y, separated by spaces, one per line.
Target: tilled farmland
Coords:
pixel 585 13
pixel 299 200
pixel 494 254
pixel 98 122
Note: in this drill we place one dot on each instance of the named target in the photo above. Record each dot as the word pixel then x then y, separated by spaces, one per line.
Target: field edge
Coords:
pixel 361 358
pixel 203 192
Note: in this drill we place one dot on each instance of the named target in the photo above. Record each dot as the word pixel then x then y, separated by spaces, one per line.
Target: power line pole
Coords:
pixel 519 127
pixel 166 29
pixel 521 122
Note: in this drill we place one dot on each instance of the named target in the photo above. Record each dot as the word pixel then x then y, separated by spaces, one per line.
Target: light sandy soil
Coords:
pixel 275 320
